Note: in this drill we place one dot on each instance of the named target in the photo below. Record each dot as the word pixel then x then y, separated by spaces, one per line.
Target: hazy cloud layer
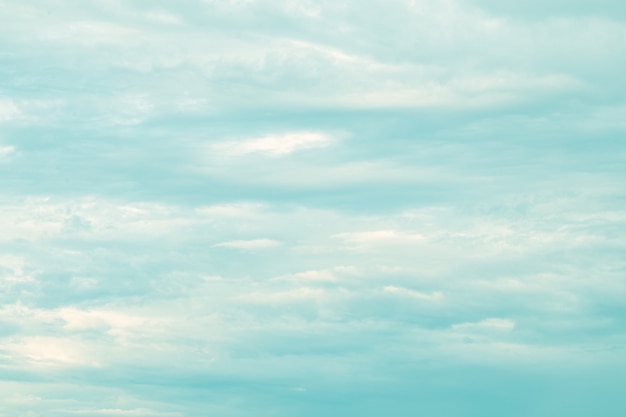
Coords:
pixel 306 208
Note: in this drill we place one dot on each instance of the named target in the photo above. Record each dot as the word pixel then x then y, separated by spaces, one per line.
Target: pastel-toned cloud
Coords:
pixel 231 210
pixel 380 237
pixel 41 351
pixel 405 292
pixel 308 208
pixel 248 244
pixel 311 276
pixel 126 412
pixel 276 145
pixel 487 324
pixel 8 110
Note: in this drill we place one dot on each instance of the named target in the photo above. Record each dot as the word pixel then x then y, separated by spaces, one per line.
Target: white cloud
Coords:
pixel 51 351
pixel 163 17
pixel 127 412
pixel 231 210
pixel 497 324
pixel 336 55
pixel 276 145
pixel 8 110
pixel 380 237
pixel 289 296
pixel 249 244
pixel 14 266
pixel 435 296
pixel 168 253
pixel 23 399
pixel 322 275
pixel 6 151
pixel 113 321
pixel 89 33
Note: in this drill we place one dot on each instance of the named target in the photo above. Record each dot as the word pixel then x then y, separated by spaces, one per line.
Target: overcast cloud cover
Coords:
pixel 312 208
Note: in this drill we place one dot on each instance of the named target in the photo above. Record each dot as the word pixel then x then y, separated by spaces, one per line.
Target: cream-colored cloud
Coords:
pixel 491 324
pixel 51 351
pixel 86 32
pixel 380 237
pixel 275 145
pixel 109 320
pixel 286 296
pixel 237 210
pixel 418 295
pixel 126 412
pixel 249 244
pixel 312 276
pixel 8 111
pixel 6 151
pixel 164 17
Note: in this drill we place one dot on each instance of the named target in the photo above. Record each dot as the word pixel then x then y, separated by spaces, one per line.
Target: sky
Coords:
pixel 297 208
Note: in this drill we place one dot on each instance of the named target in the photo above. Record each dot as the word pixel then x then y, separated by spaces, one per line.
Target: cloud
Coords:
pixel 405 292
pixel 6 151
pixel 486 325
pixel 231 210
pixel 276 145
pixel 380 237
pixel 537 10
pixel 249 244
pixel 46 351
pixel 297 295
pixel 111 321
pixel 311 276
pixel 186 231
pixel 8 110
pixel 126 412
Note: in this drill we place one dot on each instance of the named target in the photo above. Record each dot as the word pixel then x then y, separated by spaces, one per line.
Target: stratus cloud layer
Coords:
pixel 295 208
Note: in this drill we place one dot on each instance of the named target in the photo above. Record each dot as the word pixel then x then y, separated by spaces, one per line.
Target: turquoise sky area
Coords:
pixel 299 208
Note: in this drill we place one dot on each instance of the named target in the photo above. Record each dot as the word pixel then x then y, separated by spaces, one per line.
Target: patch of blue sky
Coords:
pixel 298 208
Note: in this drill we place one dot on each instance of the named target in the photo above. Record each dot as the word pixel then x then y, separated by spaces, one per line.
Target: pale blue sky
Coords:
pixel 312 208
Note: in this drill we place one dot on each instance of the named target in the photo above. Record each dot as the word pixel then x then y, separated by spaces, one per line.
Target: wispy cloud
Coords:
pixel 293 207
pixel 8 110
pixel 6 151
pixel 487 324
pixel 249 244
pixel 413 294
pixel 125 412
pixel 380 237
pixel 275 145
